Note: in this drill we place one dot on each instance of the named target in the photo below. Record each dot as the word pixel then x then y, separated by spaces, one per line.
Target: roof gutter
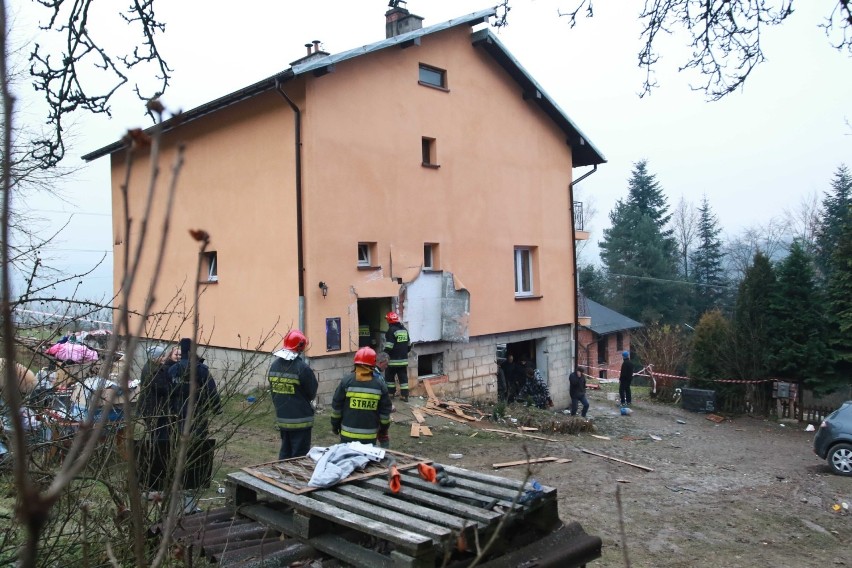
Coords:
pixel 576 272
pixel 299 238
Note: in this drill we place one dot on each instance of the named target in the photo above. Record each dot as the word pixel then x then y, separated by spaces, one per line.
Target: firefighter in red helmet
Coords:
pixel 361 407
pixel 294 386
pixel 397 345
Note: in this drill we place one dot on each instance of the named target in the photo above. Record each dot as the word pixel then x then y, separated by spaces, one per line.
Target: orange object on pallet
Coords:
pixel 394 479
pixel 427 472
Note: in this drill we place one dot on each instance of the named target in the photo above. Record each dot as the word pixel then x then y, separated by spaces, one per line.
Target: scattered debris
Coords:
pixel 456 456
pixel 642 467
pixel 715 418
pixel 679 421
pixel 623 481
pixel 655 438
pixel 607 438
pixel 810 428
pixel 519 434
pixel 530 461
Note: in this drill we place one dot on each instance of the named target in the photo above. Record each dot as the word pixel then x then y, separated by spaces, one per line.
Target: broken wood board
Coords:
pixel 415 430
pixel 642 467
pixel 715 418
pixel 438 412
pixel 528 429
pixel 418 416
pixel 425 430
pixel 530 461
pixel 430 394
pixel 607 438
pixel 520 434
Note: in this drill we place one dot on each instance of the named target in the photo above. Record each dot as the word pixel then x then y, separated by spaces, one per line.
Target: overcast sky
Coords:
pixel 755 153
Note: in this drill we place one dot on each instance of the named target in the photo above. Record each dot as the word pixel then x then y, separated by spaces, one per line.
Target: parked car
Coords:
pixel 833 440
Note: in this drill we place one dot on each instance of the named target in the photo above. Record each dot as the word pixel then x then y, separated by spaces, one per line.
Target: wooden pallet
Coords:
pixel 362 522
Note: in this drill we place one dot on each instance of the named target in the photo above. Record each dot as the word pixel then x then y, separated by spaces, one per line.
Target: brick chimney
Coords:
pixel 399 20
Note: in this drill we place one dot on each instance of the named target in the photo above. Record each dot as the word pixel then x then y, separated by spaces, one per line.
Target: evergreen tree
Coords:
pixel 839 291
pixel 593 283
pixel 752 320
pixel 798 340
pixel 707 270
pixel 711 347
pixel 836 216
pixel 638 253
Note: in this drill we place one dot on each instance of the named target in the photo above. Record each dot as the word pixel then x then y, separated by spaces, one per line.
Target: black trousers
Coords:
pixel 402 373
pixel 294 443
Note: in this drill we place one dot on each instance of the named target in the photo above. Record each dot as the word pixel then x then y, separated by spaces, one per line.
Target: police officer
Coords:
pixel 361 406
pixel 397 345
pixel 294 386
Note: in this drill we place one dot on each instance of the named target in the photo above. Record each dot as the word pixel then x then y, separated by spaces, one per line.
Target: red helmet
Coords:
pixel 365 356
pixel 295 340
pixel 392 317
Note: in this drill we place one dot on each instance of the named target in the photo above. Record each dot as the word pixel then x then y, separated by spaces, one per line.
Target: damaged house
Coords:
pixel 427 173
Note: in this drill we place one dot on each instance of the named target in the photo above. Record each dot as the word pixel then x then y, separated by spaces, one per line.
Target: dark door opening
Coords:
pixel 371 322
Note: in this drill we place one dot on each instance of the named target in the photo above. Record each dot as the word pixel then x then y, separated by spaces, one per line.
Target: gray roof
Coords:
pixel 584 153
pixel 605 320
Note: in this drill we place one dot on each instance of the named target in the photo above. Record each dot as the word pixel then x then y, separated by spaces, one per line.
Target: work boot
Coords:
pixel 404 397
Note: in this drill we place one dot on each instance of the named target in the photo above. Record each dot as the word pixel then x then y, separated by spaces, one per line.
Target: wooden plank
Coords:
pixel 514 484
pixel 415 543
pixel 601 437
pixel 479 494
pixel 415 430
pixel 418 416
pixel 351 553
pixel 392 503
pixel 523 462
pixel 642 467
pixel 346 503
pixel 425 430
pixel 452 506
pixel 520 434
pixel 528 429
pixel 435 412
pixel 430 394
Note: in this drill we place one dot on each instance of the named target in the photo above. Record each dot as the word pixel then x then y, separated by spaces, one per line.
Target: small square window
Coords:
pixel 364 254
pixel 430 257
pixel 367 255
pixel 432 76
pixel 210 266
pixel 429 150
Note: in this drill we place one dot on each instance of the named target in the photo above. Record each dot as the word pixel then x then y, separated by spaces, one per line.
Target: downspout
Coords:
pixel 574 252
pixel 300 256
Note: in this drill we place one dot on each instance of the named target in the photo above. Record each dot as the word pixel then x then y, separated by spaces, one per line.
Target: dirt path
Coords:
pixel 742 493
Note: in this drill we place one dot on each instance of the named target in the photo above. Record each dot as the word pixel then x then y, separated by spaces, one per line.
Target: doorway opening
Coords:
pixel 371 321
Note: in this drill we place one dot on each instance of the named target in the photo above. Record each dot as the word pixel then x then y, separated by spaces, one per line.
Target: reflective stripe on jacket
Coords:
pixel 293 386
pixel 397 345
pixel 361 406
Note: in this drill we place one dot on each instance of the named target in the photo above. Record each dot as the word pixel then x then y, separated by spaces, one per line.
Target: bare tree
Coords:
pixel 685 223
pixel 725 36
pixel 803 221
pixel 771 239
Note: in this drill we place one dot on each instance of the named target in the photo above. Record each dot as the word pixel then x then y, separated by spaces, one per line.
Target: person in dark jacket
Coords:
pixel 361 406
pixel 294 386
pixel 207 401
pixel 577 391
pixel 625 379
pixel 397 345
pixel 154 402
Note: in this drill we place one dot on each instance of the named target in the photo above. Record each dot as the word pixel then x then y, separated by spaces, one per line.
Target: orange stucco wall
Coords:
pixel 502 182
pixel 237 184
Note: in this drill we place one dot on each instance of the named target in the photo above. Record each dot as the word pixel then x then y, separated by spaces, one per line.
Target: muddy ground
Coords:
pixel 741 493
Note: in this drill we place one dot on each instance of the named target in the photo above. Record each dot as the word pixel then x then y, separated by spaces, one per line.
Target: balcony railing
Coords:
pixel 579 222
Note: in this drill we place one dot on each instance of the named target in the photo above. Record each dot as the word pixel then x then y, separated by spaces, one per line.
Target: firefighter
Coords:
pixel 361 407
pixel 294 386
pixel 397 345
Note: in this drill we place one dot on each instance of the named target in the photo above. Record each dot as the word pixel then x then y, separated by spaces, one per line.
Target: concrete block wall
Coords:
pixel 470 368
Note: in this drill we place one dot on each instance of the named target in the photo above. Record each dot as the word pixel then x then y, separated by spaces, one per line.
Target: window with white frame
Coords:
pixel 523 271
pixel 430 256
pixel 364 256
pixel 211 265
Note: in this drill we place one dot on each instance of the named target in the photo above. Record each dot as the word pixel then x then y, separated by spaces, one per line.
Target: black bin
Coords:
pixel 698 400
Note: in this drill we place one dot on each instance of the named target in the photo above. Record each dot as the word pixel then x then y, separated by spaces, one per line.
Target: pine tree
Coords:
pixel 638 253
pixel 798 339
pixel 839 292
pixel 836 216
pixel 707 270
pixel 752 320
pixel 593 283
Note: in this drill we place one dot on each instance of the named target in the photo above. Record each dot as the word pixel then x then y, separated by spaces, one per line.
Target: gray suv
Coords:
pixel 833 440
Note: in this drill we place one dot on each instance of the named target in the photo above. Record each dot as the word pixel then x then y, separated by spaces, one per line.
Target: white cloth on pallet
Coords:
pixel 337 462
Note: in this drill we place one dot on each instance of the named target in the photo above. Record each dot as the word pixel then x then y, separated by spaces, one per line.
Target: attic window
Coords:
pixel 433 77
